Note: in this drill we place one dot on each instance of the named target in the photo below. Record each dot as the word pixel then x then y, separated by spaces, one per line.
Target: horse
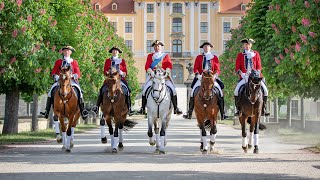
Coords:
pixel 206 109
pixel 66 108
pixel 251 100
pixel 114 109
pixel 159 108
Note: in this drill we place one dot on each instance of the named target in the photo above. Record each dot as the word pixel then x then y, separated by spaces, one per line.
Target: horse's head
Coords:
pixel 207 82
pixel 158 82
pixel 112 80
pixel 254 85
pixel 65 79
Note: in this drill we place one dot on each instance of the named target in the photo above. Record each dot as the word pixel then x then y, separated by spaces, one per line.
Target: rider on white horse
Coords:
pixel 206 61
pixel 67 51
pixel 160 60
pixel 246 61
pixel 120 65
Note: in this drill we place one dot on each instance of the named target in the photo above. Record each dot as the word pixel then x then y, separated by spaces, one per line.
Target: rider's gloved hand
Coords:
pixel 75 76
pixel 168 72
pixel 55 78
pixel 243 75
pixel 150 72
pixel 123 74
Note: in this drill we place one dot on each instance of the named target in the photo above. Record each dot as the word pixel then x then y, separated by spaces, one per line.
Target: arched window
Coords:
pixel 97 7
pixel 114 6
pixel 177 25
pixel 177 8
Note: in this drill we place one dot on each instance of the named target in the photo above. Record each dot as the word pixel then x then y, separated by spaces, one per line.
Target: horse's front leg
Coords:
pixel 103 130
pixel 213 134
pixel 162 136
pixel 57 129
pixel 115 137
pixel 252 124
pixel 244 133
pixel 150 133
pixel 204 143
pixel 157 133
pixel 256 136
pixel 64 134
pixel 109 123
pixel 120 146
pixel 69 133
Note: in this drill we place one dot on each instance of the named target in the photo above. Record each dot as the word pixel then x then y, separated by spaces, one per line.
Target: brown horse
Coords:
pixel 114 106
pixel 66 108
pixel 206 109
pixel 251 100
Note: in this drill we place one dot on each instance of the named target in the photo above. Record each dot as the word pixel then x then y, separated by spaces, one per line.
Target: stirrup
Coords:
pixel 85 113
pixel 187 115
pixel 45 114
pixel 95 109
pixel 237 113
pixel 177 111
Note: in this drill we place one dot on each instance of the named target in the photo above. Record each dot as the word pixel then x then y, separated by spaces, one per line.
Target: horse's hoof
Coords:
pixel 152 143
pixel 205 151
pixel 256 150
pixel 201 147
pixel 114 151
pixel 104 140
pixel 68 150
pixel 245 149
pixel 249 146
pixel 157 151
pixel 211 146
pixel 162 152
pixel 120 146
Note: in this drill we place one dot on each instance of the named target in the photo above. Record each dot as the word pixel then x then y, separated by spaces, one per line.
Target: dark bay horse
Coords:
pixel 206 109
pixel 251 100
pixel 114 109
pixel 66 108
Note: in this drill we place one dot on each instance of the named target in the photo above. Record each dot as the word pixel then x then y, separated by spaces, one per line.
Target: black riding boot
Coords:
pixel 84 112
pixel 221 107
pixel 175 105
pixel 128 102
pixel 188 115
pixel 264 107
pixel 95 108
pixel 48 107
pixel 143 106
pixel 236 102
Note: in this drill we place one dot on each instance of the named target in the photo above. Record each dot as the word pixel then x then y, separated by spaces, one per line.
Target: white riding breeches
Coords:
pixel 198 83
pixel 149 83
pixel 243 81
pixel 73 84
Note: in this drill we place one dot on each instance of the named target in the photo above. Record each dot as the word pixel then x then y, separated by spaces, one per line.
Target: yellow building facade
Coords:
pixel 182 25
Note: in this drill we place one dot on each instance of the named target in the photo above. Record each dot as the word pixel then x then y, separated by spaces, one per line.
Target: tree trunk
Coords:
pixel 34 124
pixel 303 121
pixel 275 108
pixel 289 120
pixel 11 112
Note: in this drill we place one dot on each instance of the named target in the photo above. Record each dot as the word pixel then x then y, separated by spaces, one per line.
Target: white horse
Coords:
pixel 159 108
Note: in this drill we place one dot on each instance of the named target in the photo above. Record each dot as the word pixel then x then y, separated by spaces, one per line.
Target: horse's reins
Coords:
pixel 156 100
pixel 115 97
pixel 65 100
pixel 248 93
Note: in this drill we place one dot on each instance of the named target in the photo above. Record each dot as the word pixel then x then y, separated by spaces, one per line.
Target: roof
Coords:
pixel 123 6
pixel 232 6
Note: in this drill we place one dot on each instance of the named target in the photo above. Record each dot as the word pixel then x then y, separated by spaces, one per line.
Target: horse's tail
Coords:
pixel 261 126
pixel 128 124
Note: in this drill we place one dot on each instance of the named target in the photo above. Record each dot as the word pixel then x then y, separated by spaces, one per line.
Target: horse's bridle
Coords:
pixel 205 89
pixel 257 92
pixel 158 100
pixel 114 98
pixel 63 96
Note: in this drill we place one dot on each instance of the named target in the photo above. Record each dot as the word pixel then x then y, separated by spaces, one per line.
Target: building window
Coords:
pixel 176 25
pixel 294 108
pixel 177 48
pixel 204 27
pixel 226 27
pixel 128 27
pixel 129 44
pixel 97 7
pixel 150 8
pixel 225 46
pixel 204 8
pixel 114 6
pixel 243 7
pixel 149 47
pixel 150 27
pixel 177 8
pixel 114 24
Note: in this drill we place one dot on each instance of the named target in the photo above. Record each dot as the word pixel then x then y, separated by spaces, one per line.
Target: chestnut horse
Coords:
pixel 251 100
pixel 114 107
pixel 66 108
pixel 206 109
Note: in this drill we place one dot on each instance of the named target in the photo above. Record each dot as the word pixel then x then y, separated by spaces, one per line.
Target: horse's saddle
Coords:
pixel 215 90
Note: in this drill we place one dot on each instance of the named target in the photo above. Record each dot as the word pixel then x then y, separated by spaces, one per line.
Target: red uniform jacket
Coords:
pixel 74 66
pixel 122 66
pixel 199 63
pixel 166 62
pixel 240 62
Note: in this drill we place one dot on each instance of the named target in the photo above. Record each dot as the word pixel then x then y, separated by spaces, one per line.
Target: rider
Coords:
pixel 161 60
pixel 120 65
pixel 206 61
pixel 246 61
pixel 66 51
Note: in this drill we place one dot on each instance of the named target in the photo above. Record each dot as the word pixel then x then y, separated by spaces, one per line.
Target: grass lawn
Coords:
pixel 42 135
